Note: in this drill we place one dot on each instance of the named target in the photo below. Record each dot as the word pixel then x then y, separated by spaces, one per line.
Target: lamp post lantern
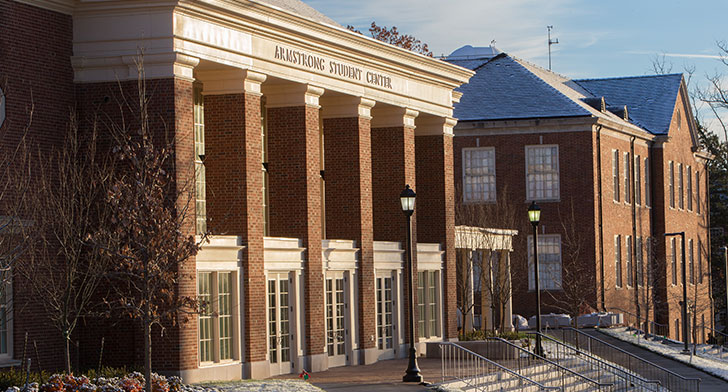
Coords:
pixel 534 215
pixel 407 198
pixel 686 336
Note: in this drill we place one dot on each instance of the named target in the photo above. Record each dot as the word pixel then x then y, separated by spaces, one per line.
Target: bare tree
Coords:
pixel 149 237
pixel 394 37
pixel 575 288
pixel 494 270
pixel 65 205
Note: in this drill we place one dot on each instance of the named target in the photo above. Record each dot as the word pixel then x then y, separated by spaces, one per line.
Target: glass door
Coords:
pixel 385 316
pixel 336 315
pixel 279 324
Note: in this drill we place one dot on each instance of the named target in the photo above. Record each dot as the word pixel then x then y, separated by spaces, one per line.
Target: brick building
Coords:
pixel 300 136
pixel 613 163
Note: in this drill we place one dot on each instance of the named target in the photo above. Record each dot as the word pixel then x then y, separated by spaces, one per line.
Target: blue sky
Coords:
pixel 597 38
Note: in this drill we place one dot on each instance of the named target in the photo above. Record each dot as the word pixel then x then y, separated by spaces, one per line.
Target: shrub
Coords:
pixel 479 334
pixel 129 382
pixel 13 377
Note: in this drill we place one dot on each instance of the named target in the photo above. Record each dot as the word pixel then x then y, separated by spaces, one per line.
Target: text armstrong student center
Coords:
pixel 300 135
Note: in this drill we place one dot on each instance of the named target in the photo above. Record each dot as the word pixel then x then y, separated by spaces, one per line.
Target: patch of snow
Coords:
pixel 708 363
pixel 255 386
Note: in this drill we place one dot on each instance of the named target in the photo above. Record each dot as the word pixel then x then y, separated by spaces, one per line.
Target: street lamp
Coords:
pixel 534 215
pixel 412 374
pixel 686 337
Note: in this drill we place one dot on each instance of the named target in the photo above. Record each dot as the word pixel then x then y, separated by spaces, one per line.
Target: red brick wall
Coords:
pixel 393 167
pixel 576 168
pixel 36 76
pixel 694 224
pixel 170 119
pixel 295 203
pixel 348 174
pixel 233 148
pixel 436 213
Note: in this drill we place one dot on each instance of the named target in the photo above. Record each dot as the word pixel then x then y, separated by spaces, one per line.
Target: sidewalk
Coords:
pixel 381 376
pixel 709 382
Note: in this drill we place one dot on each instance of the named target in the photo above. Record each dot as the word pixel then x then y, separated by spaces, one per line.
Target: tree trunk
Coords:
pixel 148 354
pixel 67 354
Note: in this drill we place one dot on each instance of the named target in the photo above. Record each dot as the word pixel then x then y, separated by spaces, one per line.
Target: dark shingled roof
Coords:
pixel 503 88
pixel 468 63
pixel 649 99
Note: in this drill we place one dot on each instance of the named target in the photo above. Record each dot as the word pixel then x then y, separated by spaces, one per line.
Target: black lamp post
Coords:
pixel 686 337
pixel 407 197
pixel 534 215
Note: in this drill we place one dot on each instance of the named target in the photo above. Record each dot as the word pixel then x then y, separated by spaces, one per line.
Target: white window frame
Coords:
pixel 615 175
pixel 545 267
pixel 680 187
pixel 557 182
pixel 426 301
pixel 7 307
pixel 638 180
pixel 618 261
pixel 215 317
pixel 486 194
pixel 671 183
pixel 689 193
pixel 628 260
pixel 627 180
pixel 648 189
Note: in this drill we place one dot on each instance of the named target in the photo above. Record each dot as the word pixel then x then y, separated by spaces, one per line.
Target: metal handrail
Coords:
pixel 473 362
pixel 635 364
pixel 725 336
pixel 627 376
pixel 599 385
pixel 664 327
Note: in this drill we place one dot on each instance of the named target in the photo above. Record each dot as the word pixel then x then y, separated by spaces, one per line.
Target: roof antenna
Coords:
pixel 492 43
pixel 551 42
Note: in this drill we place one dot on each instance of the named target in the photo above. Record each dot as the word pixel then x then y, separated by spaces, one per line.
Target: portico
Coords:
pixel 304 134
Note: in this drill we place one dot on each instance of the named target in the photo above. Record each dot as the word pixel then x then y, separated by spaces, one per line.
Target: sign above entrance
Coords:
pixel 332 67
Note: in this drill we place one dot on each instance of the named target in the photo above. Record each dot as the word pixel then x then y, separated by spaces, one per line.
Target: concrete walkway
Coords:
pixel 382 376
pixel 709 382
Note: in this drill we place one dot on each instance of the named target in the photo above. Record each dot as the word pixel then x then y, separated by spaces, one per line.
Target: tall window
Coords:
pixel 691 265
pixel 690 195
pixel 542 172
pixel 671 184
pixel 649 263
pixel 6 341
pixel 618 260
pixel 615 173
pixel 674 260
pixel 640 264
pixel 204 296
pixel 215 293
pixel 549 262
pixel 698 196
pixel 427 303
pixel 648 190
pixel 700 261
pixel 266 182
pixel 199 125
pixel 681 199
pixel 630 280
pixel 627 180
pixel 637 180
pixel 385 318
pixel 479 174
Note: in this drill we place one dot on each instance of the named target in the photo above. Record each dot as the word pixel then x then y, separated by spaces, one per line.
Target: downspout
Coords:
pixel 601 218
pixel 634 233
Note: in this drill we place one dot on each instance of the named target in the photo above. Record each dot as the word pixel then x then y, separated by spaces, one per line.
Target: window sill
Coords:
pixel 7 362
pixel 544 200
pixel 221 363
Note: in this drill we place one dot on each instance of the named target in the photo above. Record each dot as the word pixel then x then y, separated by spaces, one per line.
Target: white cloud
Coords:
pixel 518 26
pixel 683 55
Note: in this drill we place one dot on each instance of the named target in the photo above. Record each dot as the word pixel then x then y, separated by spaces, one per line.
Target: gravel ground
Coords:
pixel 255 386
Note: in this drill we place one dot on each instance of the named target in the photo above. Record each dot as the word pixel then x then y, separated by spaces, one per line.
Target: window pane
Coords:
pixel 204 294
pixel 549 262
pixel 224 310
pixel 479 174
pixel 542 176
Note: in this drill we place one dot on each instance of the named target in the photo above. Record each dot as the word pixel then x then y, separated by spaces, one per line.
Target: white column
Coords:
pixel 505 267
